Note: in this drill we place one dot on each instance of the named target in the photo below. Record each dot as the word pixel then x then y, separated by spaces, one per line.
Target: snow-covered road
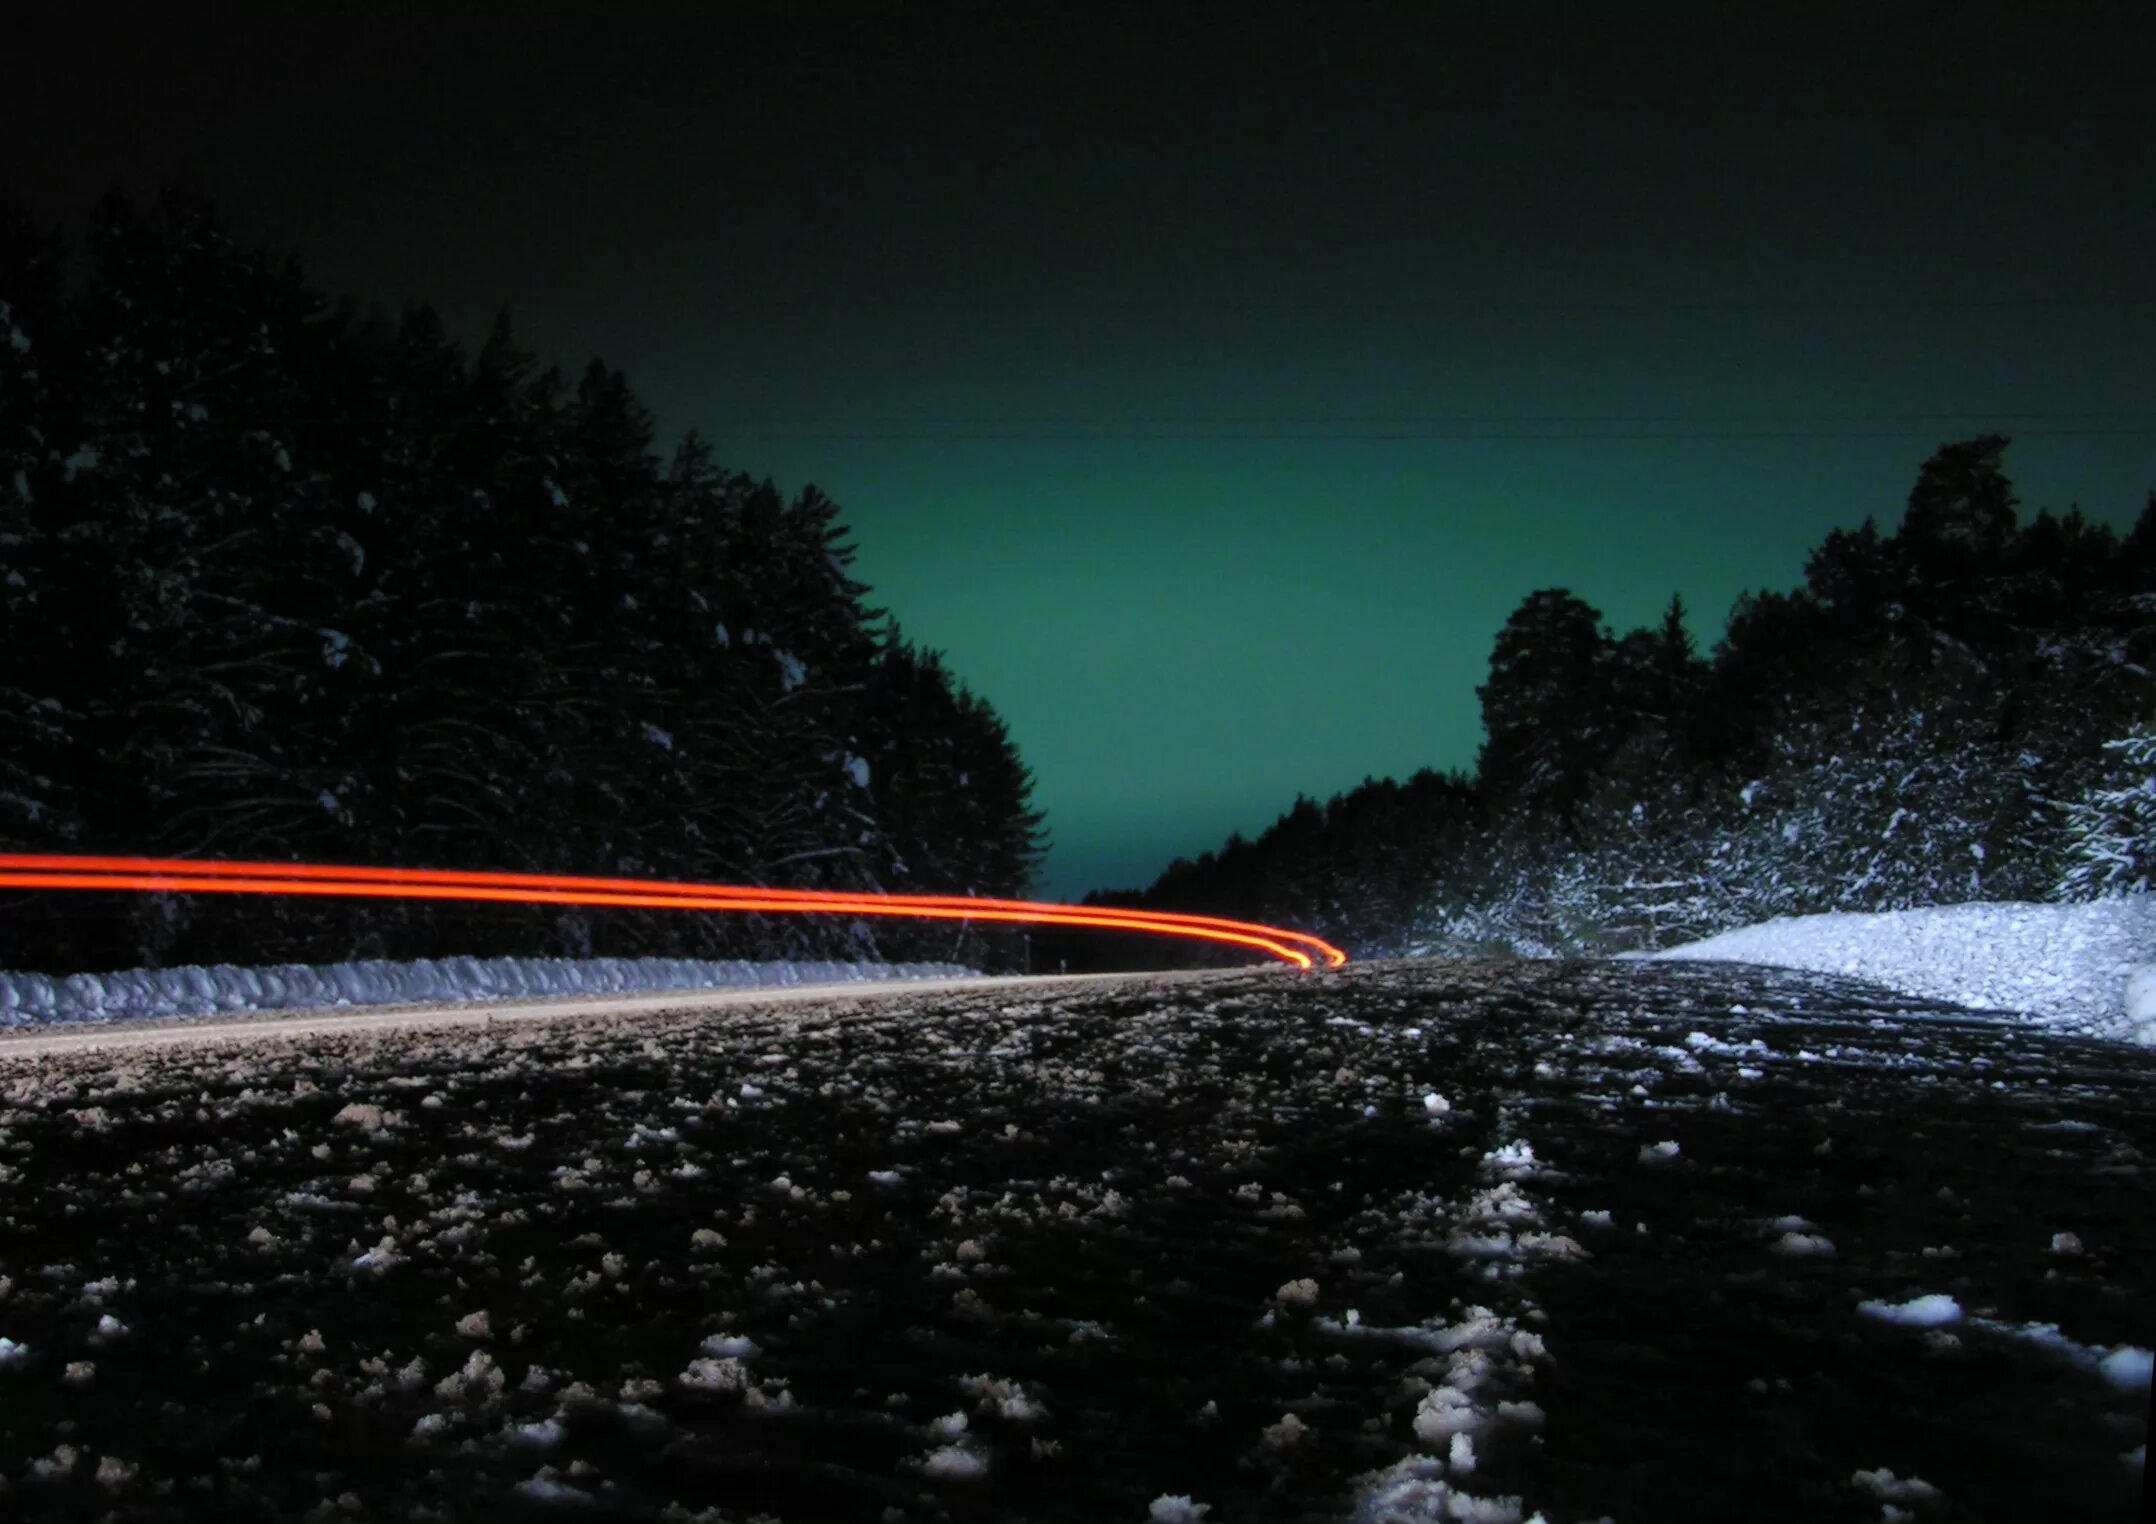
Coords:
pixel 1404 1242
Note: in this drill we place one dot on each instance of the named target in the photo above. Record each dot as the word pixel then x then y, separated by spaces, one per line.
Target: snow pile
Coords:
pixel 135 994
pixel 2067 966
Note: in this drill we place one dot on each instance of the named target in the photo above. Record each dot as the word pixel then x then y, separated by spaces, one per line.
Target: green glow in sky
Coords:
pixel 868 255
pixel 1184 637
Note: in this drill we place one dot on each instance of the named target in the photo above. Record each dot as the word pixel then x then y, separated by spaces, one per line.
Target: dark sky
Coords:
pixel 1209 382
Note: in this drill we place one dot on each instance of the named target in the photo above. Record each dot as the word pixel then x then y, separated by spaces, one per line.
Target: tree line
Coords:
pixel 1962 709
pixel 285 579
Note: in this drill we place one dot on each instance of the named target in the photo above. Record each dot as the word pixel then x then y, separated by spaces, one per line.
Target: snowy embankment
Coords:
pixel 2088 969
pixel 148 993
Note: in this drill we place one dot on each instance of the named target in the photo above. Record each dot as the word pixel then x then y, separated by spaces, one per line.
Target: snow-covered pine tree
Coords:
pixel 947 790
pixel 40 804
pixel 1644 849
pixel 326 589
pixel 34 763
pixel 2111 829
pixel 1882 736
pixel 705 667
pixel 1906 789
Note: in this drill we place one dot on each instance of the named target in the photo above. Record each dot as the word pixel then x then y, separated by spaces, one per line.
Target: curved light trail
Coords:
pixel 184 876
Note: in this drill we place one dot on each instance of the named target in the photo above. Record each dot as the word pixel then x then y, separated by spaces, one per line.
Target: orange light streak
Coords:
pixel 149 874
pixel 826 899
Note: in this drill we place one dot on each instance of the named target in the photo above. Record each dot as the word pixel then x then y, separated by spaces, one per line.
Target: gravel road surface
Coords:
pixel 1401 1241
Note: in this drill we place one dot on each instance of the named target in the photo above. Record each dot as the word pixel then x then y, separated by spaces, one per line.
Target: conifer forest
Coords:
pixel 284 580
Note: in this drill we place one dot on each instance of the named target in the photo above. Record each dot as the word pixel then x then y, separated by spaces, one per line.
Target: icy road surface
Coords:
pixel 1649 1242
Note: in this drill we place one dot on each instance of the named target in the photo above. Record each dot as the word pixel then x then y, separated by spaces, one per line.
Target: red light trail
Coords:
pixel 182 876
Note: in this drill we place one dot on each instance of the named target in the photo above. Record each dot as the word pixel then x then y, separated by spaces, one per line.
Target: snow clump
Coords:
pixel 2141 1005
pixel 543 1435
pixel 544 1488
pixel 476 1325
pixel 1298 1293
pixel 1414 1490
pixel 1803 1244
pixel 1516 1160
pixel 2128 1367
pixel 715 1375
pixel 379 1258
pixel 1920 1312
pixel 955 1463
pixel 1884 1485
pixel 58 1466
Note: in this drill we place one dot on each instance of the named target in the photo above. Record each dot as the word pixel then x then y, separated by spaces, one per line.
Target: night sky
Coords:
pixel 1210 382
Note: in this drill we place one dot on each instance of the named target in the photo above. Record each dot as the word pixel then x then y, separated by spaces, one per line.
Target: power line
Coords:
pixel 1422 438
pixel 1175 434
pixel 2109 416
pixel 1449 306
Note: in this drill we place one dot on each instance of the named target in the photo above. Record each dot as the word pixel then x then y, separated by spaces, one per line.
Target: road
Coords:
pixel 1396 1242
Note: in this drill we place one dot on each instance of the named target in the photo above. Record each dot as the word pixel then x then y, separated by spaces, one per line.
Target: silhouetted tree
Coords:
pixel 1548 709
pixel 1962 500
pixel 282 580
pixel 1932 716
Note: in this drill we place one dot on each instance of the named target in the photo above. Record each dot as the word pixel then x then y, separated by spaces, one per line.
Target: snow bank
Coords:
pixel 2065 966
pixel 133 994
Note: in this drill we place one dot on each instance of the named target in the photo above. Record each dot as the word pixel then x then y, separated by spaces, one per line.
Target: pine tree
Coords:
pixel 279 580
pixel 1962 500
pixel 2112 827
pixel 2139 558
pixel 31 738
pixel 40 804
pixel 1547 710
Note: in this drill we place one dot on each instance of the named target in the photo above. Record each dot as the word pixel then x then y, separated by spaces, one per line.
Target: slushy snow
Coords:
pixel 2087 969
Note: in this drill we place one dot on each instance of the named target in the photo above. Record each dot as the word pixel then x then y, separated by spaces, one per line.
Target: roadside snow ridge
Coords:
pixel 2064 966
